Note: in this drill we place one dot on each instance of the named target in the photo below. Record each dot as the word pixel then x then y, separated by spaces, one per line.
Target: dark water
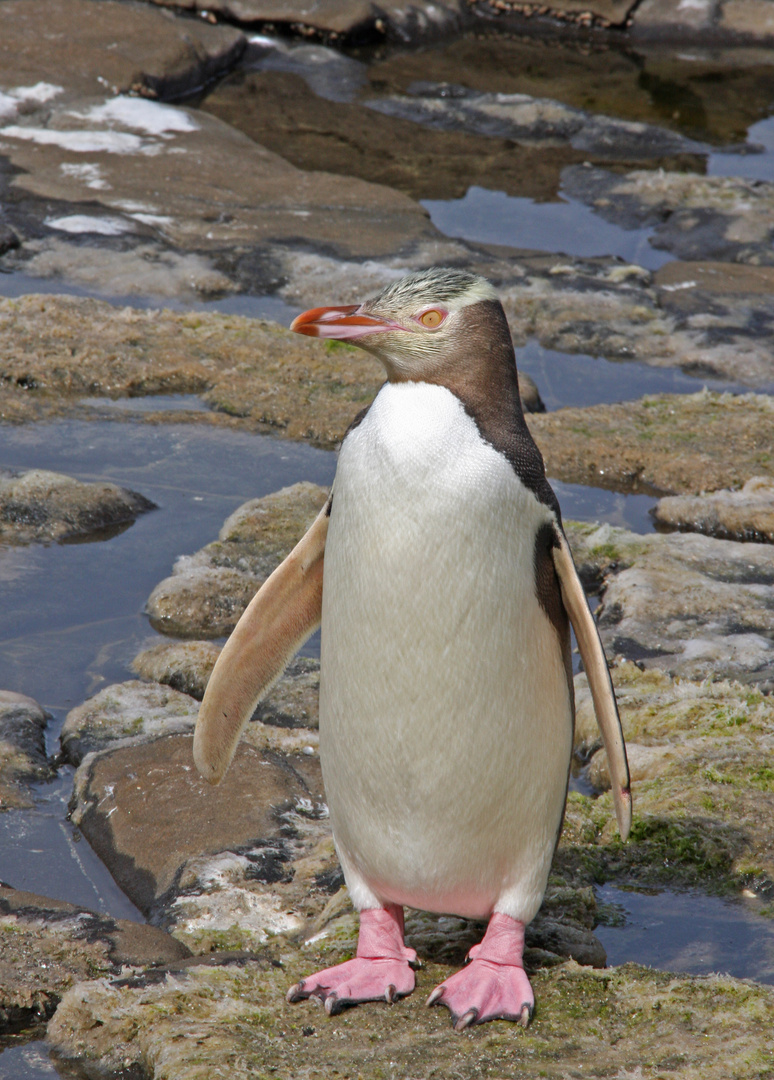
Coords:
pixel 688 932
pixel 567 226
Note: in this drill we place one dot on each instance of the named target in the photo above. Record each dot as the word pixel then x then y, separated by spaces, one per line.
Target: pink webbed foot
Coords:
pixel 381 969
pixel 494 985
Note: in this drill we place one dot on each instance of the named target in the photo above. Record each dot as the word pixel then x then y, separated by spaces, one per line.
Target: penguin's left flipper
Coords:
pixel 280 617
pixel 598 675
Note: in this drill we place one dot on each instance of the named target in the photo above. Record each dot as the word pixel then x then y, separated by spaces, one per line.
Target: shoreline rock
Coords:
pixel 38 506
pixel 747 514
pixel 23 758
pixel 47 946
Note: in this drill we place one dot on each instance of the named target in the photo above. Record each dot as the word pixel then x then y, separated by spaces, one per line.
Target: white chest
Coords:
pixel 442 679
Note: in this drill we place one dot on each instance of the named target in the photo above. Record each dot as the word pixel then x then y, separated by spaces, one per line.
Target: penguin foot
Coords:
pixel 356 981
pixel 486 991
pixel 494 985
pixel 381 970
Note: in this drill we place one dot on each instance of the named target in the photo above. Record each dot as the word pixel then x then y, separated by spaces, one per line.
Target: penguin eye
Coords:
pixel 432 318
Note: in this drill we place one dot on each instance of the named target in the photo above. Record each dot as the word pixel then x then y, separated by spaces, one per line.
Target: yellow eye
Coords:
pixel 431 318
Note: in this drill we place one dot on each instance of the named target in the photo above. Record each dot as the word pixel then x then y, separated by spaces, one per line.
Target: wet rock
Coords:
pixel 607 309
pixel 748 18
pixel 119 47
pixel 280 112
pixel 213 192
pixel 662 18
pixel 187 666
pixel 146 812
pixel 447 939
pixel 293 702
pixel 716 93
pixel 129 711
pixel 46 946
pixel 184 665
pixel 683 603
pixel 40 506
pixel 666 443
pixel 536 121
pixel 708 20
pixel 747 514
pixel 22 748
pixel 695 217
pixel 703 797
pixel 202 1015
pixel 208 591
pixel 340 19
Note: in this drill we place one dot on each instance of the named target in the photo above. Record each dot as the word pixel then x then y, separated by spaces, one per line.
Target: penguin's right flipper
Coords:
pixel 280 617
pixel 598 675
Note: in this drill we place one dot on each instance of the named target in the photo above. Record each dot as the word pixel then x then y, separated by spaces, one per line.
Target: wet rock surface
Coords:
pixel 337 19
pixel 208 591
pixel 683 603
pixel 702 218
pixel 151 52
pixel 747 514
pixel 188 819
pixel 23 757
pixel 40 507
pixel 47 946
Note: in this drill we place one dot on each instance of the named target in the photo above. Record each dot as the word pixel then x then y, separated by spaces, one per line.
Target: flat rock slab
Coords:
pixel 46 946
pixel 747 514
pixel 23 757
pixel 133 711
pixel 630 1021
pixel 169 179
pixel 340 19
pixel 666 443
pixel 146 811
pixel 40 507
pixel 208 591
pixel 703 791
pixel 683 603
pixel 117 46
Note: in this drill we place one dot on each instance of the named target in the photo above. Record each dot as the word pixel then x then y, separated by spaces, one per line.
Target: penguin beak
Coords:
pixel 342 323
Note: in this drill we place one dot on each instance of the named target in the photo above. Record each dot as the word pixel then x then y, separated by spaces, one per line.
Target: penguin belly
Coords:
pixel 446 717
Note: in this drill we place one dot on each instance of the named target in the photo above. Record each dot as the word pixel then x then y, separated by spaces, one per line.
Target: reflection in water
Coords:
pixel 577 379
pixel 566 227
pixel 687 932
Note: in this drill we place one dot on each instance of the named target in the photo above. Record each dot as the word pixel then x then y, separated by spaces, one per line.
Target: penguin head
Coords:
pixel 417 325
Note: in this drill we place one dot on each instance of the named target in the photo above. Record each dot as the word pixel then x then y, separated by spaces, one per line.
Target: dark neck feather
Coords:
pixel 480 369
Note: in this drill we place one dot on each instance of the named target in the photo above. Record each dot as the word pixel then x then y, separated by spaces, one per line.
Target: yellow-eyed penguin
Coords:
pixel 443 580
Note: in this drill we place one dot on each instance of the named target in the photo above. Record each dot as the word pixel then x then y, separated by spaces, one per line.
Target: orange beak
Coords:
pixel 342 323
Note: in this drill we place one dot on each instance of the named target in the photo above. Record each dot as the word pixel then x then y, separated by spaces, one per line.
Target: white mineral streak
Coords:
pixel 83 223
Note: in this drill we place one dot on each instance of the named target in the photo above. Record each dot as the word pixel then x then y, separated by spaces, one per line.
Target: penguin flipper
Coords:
pixel 278 620
pixel 598 675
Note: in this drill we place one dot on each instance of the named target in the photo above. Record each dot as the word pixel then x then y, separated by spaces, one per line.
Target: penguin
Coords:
pixel 445 589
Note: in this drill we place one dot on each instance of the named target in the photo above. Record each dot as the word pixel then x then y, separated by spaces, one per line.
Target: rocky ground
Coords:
pixel 300 177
